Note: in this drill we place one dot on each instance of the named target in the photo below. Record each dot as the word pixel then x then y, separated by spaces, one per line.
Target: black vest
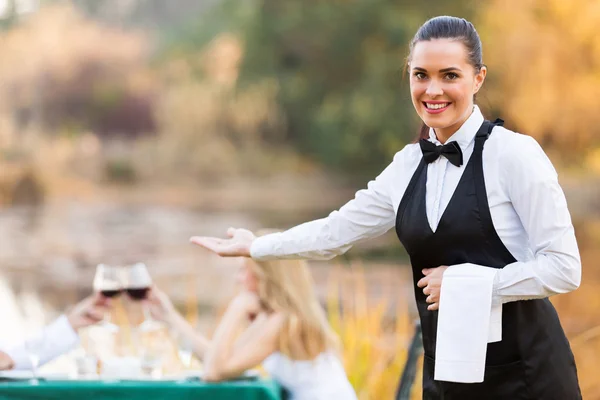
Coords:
pixel 534 360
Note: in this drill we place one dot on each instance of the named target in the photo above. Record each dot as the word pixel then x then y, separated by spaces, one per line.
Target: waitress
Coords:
pixel 472 192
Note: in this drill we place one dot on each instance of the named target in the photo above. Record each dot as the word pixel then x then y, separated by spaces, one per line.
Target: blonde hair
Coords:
pixel 287 287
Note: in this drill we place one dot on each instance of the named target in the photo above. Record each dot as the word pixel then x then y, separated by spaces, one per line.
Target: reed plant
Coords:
pixel 374 330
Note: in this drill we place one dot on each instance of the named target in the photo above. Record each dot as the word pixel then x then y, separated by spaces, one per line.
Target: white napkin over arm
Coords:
pixel 467 322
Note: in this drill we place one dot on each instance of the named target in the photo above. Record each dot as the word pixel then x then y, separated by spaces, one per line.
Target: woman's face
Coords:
pixel 246 275
pixel 442 84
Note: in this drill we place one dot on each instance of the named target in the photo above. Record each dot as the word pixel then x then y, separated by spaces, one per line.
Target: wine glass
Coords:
pixel 137 285
pixel 185 351
pixel 34 346
pixel 108 281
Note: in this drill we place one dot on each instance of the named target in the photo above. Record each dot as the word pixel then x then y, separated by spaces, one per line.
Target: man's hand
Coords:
pixel 6 362
pixel 89 311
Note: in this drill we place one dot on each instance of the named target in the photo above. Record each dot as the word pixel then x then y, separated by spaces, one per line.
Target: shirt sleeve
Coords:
pixel 54 340
pixel 370 214
pixel 531 183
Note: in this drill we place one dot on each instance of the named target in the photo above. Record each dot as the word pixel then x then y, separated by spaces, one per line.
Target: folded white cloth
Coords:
pixel 467 322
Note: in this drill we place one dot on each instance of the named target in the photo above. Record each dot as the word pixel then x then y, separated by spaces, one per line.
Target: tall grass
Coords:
pixel 375 334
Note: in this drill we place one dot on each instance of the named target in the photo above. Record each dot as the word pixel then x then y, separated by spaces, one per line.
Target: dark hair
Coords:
pixel 454 28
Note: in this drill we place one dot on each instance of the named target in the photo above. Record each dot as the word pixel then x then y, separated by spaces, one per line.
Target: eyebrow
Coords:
pixel 450 69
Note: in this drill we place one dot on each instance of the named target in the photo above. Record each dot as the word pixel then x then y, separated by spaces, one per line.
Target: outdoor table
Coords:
pixel 255 389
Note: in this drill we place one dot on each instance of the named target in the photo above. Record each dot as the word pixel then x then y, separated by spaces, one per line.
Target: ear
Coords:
pixel 479 79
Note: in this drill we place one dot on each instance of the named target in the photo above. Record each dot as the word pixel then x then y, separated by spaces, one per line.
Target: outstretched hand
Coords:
pixel 237 245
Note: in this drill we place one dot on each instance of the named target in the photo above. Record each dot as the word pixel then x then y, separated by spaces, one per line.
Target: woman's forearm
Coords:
pixel 220 350
pixel 199 343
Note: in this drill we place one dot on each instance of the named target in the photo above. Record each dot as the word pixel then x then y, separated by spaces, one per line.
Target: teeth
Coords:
pixel 436 106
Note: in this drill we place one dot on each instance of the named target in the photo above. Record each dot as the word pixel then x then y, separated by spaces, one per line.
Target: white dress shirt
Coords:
pixel 54 340
pixel 322 378
pixel 527 205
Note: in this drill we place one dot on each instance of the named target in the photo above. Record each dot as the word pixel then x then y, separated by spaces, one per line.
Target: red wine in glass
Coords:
pixel 138 293
pixel 138 284
pixel 110 292
pixel 108 281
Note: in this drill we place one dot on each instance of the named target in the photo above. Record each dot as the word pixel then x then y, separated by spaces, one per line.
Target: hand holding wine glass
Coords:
pixel 238 244
pixel 34 346
pixel 88 311
pixel 108 281
pixel 137 285
pixel 159 305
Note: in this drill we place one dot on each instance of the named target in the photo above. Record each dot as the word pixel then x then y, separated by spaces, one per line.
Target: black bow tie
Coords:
pixel 451 151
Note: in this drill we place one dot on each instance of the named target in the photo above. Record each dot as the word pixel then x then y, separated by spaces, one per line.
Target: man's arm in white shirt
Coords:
pixel 532 185
pixel 55 340
pixel 370 214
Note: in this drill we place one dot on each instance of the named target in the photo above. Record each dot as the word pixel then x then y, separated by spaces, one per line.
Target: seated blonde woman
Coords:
pixel 282 326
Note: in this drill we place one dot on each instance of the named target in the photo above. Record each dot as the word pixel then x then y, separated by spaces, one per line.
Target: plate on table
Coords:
pixel 250 374
pixel 146 378
pixel 192 375
pixel 27 374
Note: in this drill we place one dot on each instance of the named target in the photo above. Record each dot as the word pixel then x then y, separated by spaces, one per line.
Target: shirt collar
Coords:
pixel 465 134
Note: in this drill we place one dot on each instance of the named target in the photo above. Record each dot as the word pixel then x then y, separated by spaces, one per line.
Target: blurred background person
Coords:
pixel 275 320
pixel 57 338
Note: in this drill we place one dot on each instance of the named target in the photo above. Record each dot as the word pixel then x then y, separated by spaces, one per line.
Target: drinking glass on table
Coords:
pixel 108 281
pixel 86 366
pixel 185 353
pixel 34 346
pixel 151 363
pixel 137 285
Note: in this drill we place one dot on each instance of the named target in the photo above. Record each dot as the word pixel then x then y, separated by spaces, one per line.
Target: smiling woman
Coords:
pixel 480 212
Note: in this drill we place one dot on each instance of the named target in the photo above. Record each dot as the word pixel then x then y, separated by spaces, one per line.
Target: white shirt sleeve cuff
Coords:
pixel 58 338
pixel 62 333
pixel 262 248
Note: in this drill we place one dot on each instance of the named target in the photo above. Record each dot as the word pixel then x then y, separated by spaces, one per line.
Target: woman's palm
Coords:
pixel 237 245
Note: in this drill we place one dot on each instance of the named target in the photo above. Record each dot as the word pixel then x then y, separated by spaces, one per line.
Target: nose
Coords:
pixel 434 88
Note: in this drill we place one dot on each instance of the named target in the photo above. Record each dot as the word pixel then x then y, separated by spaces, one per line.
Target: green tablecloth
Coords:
pixel 132 390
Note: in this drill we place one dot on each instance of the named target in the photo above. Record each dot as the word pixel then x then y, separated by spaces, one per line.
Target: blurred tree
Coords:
pixel 147 14
pixel 10 17
pixel 545 69
pixel 95 80
pixel 339 67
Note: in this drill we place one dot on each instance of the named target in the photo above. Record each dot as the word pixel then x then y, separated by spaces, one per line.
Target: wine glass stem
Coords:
pixel 107 320
pixel 34 372
pixel 147 315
